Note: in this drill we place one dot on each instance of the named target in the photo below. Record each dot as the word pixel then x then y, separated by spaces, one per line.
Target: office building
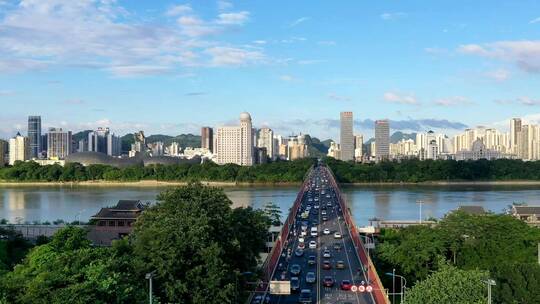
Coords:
pixel 19 149
pixel 358 147
pixel 234 144
pixel 478 151
pixel 296 147
pixel 103 141
pixel 34 136
pixel 207 138
pixel 3 152
pixel 382 139
pixel 265 139
pixel 59 143
pixel 346 137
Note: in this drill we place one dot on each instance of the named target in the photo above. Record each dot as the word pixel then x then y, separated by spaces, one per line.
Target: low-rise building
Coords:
pixel 528 214
pixel 113 223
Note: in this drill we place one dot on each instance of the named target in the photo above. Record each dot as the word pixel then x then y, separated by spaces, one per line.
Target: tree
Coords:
pixel 196 243
pixel 69 270
pixel 450 285
pixel 273 212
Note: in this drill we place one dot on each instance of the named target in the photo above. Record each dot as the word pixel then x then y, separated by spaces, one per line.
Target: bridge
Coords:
pixel 319 256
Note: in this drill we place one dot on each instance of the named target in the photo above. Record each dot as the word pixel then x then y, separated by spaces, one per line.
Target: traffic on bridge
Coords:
pixel 319 258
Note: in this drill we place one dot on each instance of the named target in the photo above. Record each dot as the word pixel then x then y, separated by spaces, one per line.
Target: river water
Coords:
pixel 390 202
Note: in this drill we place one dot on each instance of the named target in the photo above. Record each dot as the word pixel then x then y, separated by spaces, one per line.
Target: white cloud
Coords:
pixel 499 75
pixel 327 42
pixel 287 78
pixel 536 20
pixel 309 61
pixel 95 34
pixel 394 97
pixel 230 56
pixel 527 101
pixel 224 5
pixel 393 16
pixel 299 21
pixel 6 93
pixel 334 96
pixel 238 18
pixel 178 10
pixel 525 54
pixel 452 101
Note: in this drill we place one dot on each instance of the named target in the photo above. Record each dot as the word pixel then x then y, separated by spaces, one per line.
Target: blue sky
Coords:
pixel 171 66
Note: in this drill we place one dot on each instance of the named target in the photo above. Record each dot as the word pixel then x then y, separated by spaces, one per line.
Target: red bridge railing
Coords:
pixel 379 293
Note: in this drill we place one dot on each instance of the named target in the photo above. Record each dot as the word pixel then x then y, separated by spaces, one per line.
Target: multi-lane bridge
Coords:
pixel 319 256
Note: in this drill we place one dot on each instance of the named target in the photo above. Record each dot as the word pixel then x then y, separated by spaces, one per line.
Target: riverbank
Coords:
pixel 154 183
pixel 145 183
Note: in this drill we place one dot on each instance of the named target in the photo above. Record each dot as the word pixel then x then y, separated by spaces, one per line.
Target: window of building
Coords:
pixel 120 223
pixel 102 223
pixel 112 223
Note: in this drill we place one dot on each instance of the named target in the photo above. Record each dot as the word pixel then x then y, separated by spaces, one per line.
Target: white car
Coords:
pixel 323 212
pixel 327 254
pixel 326 231
pixel 312 244
pixel 301 240
pixel 337 235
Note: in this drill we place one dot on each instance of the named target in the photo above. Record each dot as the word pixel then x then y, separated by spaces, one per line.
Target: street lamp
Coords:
pixel 403 284
pixel 149 276
pixel 490 282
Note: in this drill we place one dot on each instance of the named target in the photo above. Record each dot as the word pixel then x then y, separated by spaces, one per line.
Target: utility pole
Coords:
pixel 490 282
pixel 149 276
pixel 420 203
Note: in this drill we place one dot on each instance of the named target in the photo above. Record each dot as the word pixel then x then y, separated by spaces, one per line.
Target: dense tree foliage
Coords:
pixel 450 285
pixel 69 270
pixel 434 170
pixel 280 171
pixel 196 243
pixel 13 248
pixel 499 244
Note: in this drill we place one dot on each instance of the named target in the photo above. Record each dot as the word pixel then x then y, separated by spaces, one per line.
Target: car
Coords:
pixel 295 284
pixel 345 285
pixel 299 252
pixel 340 265
pixel 326 254
pixel 315 222
pixel 301 245
pixel 312 244
pixel 329 204
pixel 316 206
pixel 305 296
pixel 312 260
pixel 261 300
pixel 325 218
pixel 295 269
pixel 310 277
pixel 301 239
pixel 326 231
pixel 303 233
pixel 326 265
pixel 323 212
pixel 337 246
pixel 337 235
pixel 328 281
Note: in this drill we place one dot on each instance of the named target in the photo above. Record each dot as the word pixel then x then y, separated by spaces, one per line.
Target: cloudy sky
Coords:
pixel 171 66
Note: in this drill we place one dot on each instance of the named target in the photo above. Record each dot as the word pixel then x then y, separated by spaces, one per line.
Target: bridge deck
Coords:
pixel 321 195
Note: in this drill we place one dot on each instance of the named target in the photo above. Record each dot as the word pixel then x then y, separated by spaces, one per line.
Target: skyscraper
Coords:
pixel 358 147
pixel 103 141
pixel 19 149
pixel 234 145
pixel 207 138
pixel 59 143
pixel 3 151
pixel 382 139
pixel 515 128
pixel 346 137
pixel 266 140
pixel 34 136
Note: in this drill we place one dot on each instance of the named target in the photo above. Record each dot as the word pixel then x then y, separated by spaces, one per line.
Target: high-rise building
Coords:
pixel 333 151
pixel 59 143
pixel 157 148
pixel 358 147
pixel 207 138
pixel 3 151
pixel 382 139
pixel 265 139
pixel 296 147
pixel 234 144
pixel 34 136
pixel 19 149
pixel 174 149
pixel 103 141
pixel 346 137
pixel 515 128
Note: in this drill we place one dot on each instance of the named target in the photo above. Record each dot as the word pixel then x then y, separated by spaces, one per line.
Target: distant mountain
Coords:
pixel 316 148
pixel 80 135
pixel 184 140
pixel 397 136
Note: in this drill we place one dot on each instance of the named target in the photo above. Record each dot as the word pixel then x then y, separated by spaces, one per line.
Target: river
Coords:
pixel 390 202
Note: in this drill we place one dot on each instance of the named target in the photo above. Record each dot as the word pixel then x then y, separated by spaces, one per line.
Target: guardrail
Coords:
pixel 379 293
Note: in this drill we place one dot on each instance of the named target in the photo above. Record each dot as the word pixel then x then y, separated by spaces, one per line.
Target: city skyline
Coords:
pixel 476 60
